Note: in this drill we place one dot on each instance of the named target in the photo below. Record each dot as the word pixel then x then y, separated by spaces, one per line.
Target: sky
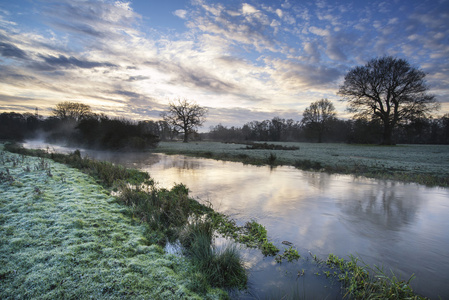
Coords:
pixel 243 60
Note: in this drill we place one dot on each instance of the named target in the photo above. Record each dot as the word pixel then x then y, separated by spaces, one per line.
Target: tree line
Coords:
pixel 75 124
pixel 356 131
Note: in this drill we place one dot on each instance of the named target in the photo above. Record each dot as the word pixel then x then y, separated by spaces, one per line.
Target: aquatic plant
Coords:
pixel 268 249
pixel 289 254
pixel 256 236
pixel 361 281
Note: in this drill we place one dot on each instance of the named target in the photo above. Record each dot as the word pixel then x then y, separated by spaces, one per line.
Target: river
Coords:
pixel 400 226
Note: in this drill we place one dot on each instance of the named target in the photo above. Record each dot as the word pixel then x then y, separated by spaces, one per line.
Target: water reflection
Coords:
pixel 387 207
pixel 401 226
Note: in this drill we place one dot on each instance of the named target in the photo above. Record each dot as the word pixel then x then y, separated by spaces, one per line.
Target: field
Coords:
pixel 425 164
pixel 62 236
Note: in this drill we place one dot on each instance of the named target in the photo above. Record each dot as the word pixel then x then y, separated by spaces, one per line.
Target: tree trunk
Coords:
pixel 386 137
pixel 186 138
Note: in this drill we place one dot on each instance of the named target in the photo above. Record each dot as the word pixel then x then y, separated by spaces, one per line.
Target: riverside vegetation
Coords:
pixel 63 236
pixel 164 216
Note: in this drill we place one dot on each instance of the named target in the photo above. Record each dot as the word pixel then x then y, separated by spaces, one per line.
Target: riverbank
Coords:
pixel 64 237
pixel 423 164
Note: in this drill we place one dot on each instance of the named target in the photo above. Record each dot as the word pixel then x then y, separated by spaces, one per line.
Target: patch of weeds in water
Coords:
pixel 268 249
pixel 290 254
pixel 365 282
pixel 256 236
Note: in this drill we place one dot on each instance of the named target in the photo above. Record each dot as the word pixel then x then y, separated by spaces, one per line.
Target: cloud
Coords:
pixel 10 50
pixel 279 13
pixel 319 31
pixel 61 61
pixel 92 19
pixel 181 13
pixel 248 9
pixel 297 76
pixel 311 48
pixel 250 26
pixel 137 78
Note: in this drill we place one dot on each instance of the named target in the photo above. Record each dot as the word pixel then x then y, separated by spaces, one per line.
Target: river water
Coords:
pixel 400 226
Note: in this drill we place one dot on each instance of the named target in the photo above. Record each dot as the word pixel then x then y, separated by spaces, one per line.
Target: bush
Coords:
pixel 306 164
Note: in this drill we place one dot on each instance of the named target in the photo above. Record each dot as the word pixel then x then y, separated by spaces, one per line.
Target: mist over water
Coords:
pixel 401 226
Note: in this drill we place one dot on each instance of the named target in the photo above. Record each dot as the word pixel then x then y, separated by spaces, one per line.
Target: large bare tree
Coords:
pixel 318 116
pixel 72 111
pixel 390 90
pixel 185 116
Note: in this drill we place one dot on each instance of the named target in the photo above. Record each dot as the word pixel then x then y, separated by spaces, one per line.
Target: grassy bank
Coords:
pixel 424 164
pixel 63 237
pixel 161 215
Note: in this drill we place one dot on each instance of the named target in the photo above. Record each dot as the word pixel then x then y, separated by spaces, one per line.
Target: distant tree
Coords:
pixel 12 126
pixel 277 128
pixel 72 111
pixel 185 116
pixel 318 116
pixel 387 89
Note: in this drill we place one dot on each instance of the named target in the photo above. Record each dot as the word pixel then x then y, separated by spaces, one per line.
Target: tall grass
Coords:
pixel 222 267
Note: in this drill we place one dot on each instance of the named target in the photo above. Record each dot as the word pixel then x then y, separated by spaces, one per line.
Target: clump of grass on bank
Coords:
pixel 222 267
pixel 267 146
pixel 63 237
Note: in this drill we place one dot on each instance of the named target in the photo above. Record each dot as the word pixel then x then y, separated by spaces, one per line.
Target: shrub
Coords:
pixel 307 164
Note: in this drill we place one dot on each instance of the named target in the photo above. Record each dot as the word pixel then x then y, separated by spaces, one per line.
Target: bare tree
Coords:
pixel 72 111
pixel 390 90
pixel 318 116
pixel 185 116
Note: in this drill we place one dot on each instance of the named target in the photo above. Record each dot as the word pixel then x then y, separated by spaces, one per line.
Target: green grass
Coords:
pixel 289 254
pixel 360 281
pixel 424 164
pixel 63 237
pixel 221 267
